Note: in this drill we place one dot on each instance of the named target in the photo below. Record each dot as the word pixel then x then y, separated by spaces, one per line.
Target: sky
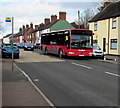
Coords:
pixel 34 11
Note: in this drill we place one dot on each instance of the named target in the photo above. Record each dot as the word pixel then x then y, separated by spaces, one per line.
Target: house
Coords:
pixel 17 37
pixel 6 38
pixel 28 37
pixel 24 35
pixel 77 26
pixel 106 28
pixel 52 24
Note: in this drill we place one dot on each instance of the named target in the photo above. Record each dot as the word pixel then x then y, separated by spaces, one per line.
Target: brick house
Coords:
pixel 52 24
pixel 17 38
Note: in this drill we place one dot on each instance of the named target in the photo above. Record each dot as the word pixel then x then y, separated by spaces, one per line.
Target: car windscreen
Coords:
pixel 96 47
pixel 28 44
pixel 9 46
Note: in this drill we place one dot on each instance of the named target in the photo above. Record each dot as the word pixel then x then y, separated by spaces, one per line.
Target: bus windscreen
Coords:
pixel 81 39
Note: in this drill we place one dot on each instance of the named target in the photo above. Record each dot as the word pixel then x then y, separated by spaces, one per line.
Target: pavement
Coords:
pixel 17 89
pixel 112 59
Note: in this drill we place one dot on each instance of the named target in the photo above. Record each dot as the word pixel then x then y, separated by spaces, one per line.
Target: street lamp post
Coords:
pixel 78 19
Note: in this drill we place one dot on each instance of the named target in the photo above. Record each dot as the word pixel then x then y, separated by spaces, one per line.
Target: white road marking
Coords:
pixel 112 74
pixel 82 65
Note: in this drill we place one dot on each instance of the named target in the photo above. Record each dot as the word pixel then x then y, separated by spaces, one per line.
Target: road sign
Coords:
pixel 8 19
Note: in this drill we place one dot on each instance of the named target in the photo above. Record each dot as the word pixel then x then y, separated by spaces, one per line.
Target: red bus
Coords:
pixel 70 42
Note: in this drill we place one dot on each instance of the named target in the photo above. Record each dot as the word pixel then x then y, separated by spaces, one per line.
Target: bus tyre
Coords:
pixel 46 51
pixel 60 53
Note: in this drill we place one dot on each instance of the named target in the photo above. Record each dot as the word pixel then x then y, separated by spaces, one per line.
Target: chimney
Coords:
pixel 23 27
pixel 27 26
pixel 31 25
pixel 53 17
pixel 36 26
pixel 107 3
pixel 20 30
pixel 62 15
pixel 46 20
pixel 41 24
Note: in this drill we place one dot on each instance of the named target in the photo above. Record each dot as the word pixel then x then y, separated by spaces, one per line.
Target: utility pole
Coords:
pixel 78 19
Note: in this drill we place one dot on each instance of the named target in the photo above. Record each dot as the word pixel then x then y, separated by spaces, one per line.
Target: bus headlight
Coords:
pixel 71 53
pixel 90 54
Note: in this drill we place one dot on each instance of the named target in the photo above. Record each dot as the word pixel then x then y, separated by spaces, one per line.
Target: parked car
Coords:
pixel 29 46
pixel 37 45
pixel 97 52
pixel 6 50
pixel 20 45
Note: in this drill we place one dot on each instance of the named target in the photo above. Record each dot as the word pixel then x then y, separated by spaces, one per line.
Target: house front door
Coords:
pixel 104 44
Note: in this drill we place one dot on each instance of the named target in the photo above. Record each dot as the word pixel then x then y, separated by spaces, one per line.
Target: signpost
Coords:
pixel 8 19
pixel 12 42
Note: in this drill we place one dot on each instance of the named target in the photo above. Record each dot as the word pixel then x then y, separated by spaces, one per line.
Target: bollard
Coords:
pixel 104 58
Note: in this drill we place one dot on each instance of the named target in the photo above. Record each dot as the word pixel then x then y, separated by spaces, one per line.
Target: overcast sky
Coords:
pixel 27 11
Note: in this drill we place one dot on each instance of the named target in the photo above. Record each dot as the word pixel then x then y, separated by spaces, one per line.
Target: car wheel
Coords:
pixel 102 57
pixel 17 57
pixel 46 51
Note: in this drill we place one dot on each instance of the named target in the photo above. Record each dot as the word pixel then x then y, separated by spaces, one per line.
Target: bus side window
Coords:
pixel 67 41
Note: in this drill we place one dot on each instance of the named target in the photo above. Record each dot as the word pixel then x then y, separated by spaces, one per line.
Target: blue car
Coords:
pixel 6 50
pixel 20 45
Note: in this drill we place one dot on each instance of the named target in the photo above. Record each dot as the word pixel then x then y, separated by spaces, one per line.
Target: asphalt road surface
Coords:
pixel 72 82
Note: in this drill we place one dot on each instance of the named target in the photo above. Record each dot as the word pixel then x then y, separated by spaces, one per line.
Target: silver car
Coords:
pixel 97 52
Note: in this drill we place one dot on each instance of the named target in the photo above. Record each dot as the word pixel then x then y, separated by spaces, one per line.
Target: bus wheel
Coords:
pixel 60 53
pixel 46 51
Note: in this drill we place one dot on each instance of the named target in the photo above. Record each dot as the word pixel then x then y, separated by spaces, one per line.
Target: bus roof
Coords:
pixel 68 30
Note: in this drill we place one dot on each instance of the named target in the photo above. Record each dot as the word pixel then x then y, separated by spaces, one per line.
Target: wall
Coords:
pixel 6 40
pixel 118 35
pixel 114 35
pixel 21 39
pixel 45 31
pixel 37 37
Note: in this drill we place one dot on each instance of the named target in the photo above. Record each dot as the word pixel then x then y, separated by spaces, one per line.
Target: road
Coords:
pixel 72 82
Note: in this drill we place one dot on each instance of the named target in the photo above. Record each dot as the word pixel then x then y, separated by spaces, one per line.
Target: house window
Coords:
pixel 95 41
pixel 114 23
pixel 95 26
pixel 113 44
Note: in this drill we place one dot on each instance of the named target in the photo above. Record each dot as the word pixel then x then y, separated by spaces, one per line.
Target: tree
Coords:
pixel 85 16
pixel 1 26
